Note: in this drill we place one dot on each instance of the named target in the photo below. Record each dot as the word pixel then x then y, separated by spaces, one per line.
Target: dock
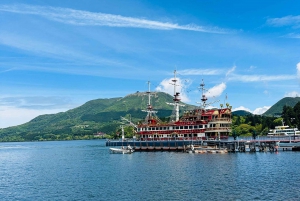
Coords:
pixel 242 145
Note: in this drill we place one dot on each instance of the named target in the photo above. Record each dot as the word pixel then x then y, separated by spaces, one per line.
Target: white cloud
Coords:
pixel 252 68
pixel 259 78
pixel 261 110
pixel 85 18
pixel 167 87
pixel 292 94
pixel 21 109
pixel 12 116
pixel 257 111
pixel 200 72
pixel 241 108
pixel 285 21
pixel 49 49
pixel 292 35
pixel 230 71
pixel 36 102
pixel 216 90
pixel 298 70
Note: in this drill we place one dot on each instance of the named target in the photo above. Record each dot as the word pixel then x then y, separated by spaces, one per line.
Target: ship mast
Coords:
pixel 203 99
pixel 149 110
pixel 176 98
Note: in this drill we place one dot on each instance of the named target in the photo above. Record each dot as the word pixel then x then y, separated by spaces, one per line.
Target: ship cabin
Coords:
pixel 177 131
pixel 196 124
pixel 219 126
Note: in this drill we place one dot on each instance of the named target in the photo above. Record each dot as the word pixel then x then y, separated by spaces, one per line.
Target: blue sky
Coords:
pixel 56 55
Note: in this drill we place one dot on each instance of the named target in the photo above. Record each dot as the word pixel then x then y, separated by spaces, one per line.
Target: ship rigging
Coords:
pixel 197 124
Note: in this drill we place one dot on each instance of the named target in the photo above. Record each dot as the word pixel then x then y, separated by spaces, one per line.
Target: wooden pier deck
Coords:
pixel 243 145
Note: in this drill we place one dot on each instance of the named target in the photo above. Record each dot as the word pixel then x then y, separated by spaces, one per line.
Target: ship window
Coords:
pixel 181 127
pixel 186 127
pixel 190 127
pixel 177 127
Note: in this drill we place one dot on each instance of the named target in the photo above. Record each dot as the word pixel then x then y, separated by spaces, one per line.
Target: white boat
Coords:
pixel 127 150
pixel 200 149
pixel 284 131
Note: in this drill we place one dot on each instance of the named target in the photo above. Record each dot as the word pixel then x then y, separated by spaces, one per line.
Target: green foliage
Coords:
pixel 278 121
pixel 291 115
pixel 245 125
pixel 234 134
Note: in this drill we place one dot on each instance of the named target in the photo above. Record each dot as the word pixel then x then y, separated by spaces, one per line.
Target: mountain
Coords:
pixel 276 109
pixel 100 115
pixel 241 113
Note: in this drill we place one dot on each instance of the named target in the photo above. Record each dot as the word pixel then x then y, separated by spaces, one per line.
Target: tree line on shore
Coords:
pixel 249 125
pixel 257 125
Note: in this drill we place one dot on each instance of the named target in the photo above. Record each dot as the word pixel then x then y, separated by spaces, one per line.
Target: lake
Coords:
pixel 85 170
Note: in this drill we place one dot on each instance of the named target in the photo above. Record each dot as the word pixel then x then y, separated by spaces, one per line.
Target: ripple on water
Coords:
pixel 84 170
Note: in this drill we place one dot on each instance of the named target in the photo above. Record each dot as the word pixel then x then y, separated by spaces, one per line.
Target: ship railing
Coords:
pixel 218 128
pixel 221 119
pixel 161 132
pixel 174 139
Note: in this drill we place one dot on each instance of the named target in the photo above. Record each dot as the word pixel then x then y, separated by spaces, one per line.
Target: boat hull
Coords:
pixel 120 151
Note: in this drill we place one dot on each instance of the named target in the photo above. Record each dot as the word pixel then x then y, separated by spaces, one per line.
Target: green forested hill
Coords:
pixel 276 109
pixel 103 115
pixel 241 113
pixel 100 115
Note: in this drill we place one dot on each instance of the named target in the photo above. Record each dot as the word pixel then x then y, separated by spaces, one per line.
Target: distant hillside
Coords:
pixel 276 109
pixel 241 113
pixel 100 115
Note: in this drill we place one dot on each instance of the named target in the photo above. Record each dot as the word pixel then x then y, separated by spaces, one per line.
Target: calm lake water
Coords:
pixel 85 170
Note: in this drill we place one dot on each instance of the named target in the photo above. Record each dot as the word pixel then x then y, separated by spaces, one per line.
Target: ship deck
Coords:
pixel 241 145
